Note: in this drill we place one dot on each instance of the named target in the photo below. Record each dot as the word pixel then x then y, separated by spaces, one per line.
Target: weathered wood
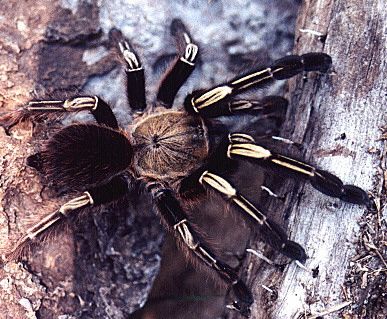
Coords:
pixel 339 119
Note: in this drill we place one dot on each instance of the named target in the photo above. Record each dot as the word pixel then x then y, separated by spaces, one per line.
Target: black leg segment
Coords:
pixel 181 69
pixel 281 69
pixel 135 77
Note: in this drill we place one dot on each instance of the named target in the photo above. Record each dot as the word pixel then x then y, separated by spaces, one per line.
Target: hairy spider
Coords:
pixel 174 154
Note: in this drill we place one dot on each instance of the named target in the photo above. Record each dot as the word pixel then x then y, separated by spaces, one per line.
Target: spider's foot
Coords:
pixel 316 61
pixel 355 195
pixel 294 251
pixel 294 64
pixel 244 298
pixel 243 309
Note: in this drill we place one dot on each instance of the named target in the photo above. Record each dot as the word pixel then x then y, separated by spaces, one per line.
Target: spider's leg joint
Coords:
pixel 76 203
pixel 130 57
pixel 81 103
pixel 211 97
pixel 240 138
pixel 190 54
pixel 218 183
pixel 248 150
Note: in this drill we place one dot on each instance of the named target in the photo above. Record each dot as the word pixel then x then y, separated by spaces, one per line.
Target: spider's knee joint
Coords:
pixel 218 183
pixel 76 203
pixel 130 57
pixel 190 54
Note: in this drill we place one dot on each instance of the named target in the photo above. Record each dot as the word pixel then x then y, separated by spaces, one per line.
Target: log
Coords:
pixel 339 119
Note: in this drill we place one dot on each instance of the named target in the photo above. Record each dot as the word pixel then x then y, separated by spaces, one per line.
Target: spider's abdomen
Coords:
pixel 81 155
pixel 169 145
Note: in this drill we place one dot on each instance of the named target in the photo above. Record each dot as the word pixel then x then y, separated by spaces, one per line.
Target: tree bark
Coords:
pixel 106 265
pixel 339 119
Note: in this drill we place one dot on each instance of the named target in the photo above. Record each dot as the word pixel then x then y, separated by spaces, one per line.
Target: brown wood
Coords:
pixel 339 119
pixel 42 46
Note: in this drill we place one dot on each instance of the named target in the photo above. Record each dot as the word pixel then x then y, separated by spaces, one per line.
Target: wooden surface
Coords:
pixel 339 119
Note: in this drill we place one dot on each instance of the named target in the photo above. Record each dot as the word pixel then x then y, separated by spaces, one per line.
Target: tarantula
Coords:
pixel 174 153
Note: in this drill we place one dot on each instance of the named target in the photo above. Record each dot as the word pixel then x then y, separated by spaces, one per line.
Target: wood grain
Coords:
pixel 338 118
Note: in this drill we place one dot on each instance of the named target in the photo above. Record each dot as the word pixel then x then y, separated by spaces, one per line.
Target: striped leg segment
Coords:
pixel 135 77
pixel 181 69
pixel 274 234
pixel 101 111
pixel 175 218
pixel 321 180
pixel 203 101
pixel 268 106
pixel 103 194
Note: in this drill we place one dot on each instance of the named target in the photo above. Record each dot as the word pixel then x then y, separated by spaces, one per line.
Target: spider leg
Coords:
pixel 135 77
pixel 176 219
pixel 274 234
pixel 101 111
pixel 323 181
pixel 203 100
pixel 181 69
pixel 111 191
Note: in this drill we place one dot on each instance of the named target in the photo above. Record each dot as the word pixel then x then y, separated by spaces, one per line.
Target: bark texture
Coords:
pixel 339 119
pixel 101 268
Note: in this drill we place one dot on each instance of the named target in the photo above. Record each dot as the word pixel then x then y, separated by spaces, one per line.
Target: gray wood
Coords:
pixel 351 100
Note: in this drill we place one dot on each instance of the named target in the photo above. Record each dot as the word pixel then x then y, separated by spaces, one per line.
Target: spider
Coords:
pixel 175 154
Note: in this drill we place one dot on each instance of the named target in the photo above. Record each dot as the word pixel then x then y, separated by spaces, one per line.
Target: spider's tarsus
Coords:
pixel 316 62
pixel 294 64
pixel 355 195
pixel 294 251
pixel 242 292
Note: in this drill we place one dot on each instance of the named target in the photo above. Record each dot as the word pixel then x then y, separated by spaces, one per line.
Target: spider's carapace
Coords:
pixel 168 145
